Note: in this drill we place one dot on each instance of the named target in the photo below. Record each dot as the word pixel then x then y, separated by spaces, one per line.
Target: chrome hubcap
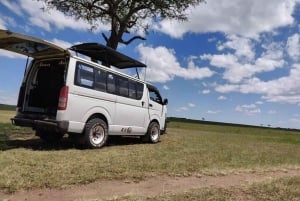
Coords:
pixel 97 134
pixel 154 133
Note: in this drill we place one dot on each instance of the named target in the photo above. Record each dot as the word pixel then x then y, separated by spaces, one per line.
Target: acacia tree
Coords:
pixel 124 16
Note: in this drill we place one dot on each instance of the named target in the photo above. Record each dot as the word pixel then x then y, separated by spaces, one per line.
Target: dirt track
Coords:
pixel 149 187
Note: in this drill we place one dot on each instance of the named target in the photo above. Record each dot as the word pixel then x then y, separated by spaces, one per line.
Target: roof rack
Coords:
pixel 107 55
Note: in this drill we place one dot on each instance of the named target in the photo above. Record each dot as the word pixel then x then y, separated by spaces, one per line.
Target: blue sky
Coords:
pixel 234 60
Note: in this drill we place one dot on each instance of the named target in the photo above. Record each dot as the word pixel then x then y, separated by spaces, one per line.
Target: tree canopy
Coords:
pixel 123 16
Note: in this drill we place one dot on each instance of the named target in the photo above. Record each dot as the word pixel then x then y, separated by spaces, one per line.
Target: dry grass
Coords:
pixel 26 162
pixel 6 115
pixel 287 189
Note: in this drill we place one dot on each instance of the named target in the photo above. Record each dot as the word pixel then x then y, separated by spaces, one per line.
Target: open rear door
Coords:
pixel 29 46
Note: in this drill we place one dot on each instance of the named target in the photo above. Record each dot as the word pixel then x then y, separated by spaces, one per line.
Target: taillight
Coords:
pixel 63 98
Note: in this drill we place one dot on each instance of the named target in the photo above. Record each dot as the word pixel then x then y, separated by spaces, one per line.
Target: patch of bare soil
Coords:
pixel 149 187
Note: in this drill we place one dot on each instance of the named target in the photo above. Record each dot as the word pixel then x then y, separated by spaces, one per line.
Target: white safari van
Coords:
pixel 64 93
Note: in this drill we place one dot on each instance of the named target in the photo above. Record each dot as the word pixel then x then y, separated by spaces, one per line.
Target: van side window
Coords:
pixel 85 75
pixel 100 80
pixel 139 90
pixel 111 83
pixel 123 86
pixel 132 89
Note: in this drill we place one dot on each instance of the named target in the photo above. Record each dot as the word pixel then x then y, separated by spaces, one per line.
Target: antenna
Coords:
pixel 137 73
pixel 145 74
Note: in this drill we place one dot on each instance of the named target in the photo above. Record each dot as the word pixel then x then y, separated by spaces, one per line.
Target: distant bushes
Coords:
pixel 7 107
pixel 185 120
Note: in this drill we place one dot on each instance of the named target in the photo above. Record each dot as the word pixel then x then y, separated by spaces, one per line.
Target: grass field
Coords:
pixel 187 149
pixel 278 190
pixel 5 115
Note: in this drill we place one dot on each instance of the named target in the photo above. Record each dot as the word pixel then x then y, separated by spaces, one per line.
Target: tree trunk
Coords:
pixel 113 41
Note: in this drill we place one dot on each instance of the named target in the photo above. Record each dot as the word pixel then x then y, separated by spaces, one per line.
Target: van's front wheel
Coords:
pixel 153 133
pixel 96 133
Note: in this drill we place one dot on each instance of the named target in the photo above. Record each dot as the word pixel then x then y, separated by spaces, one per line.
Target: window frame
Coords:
pixel 77 82
pixel 154 90
pixel 117 80
pixel 122 80
pixel 97 83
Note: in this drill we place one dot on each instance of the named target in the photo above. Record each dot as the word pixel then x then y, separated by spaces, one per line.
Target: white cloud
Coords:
pixel 12 6
pixel 248 109
pixel 294 121
pixel 182 109
pixel 165 87
pixel 51 18
pixel 186 108
pixel 246 18
pixel 213 112
pixel 283 89
pixel 243 47
pixel 191 105
pixel 2 24
pixel 212 39
pixel 12 55
pixel 272 112
pixel 10 21
pixel 8 98
pixel 242 64
pixel 205 91
pixel 204 84
pixel 227 88
pixel 48 20
pixel 7 21
pixel 293 47
pixel 163 66
pixel 62 43
pixel 222 98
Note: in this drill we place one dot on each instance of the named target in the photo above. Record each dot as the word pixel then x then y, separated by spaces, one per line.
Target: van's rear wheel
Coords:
pixel 96 133
pixel 153 133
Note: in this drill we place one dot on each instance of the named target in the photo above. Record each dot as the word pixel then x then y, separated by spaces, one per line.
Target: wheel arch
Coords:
pixel 154 120
pixel 98 115
pixel 97 112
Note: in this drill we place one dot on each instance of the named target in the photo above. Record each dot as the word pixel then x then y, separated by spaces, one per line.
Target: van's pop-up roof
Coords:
pixel 106 55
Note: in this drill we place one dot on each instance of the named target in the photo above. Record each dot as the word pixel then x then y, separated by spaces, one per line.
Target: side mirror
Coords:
pixel 165 101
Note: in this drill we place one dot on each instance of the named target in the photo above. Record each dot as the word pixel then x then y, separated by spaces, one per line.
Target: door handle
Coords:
pixel 143 103
pixel 150 105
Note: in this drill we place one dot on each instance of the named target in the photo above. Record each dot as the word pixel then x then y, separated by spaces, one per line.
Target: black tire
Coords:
pixel 95 133
pixel 153 133
pixel 49 136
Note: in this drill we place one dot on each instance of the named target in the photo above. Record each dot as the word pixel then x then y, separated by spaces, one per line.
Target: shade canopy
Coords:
pixel 106 55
